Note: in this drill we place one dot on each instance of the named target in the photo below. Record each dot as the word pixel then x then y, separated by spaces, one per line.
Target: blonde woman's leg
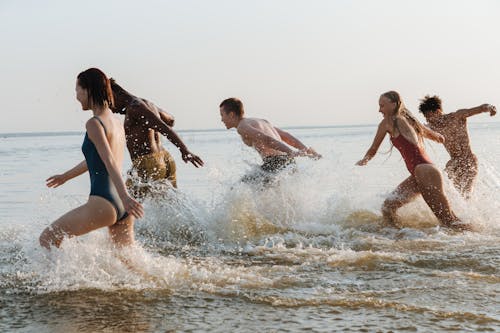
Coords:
pixel 430 183
pixel 403 194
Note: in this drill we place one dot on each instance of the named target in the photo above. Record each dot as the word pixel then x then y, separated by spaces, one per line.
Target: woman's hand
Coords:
pixel 55 181
pixel 133 207
pixel 363 161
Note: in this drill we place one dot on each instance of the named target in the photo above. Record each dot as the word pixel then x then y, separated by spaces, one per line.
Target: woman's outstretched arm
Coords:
pixel 57 180
pixel 377 141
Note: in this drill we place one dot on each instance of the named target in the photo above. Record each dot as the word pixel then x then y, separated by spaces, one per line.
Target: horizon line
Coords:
pixel 73 132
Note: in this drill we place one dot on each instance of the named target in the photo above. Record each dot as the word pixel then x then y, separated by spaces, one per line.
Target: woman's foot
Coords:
pixel 459 226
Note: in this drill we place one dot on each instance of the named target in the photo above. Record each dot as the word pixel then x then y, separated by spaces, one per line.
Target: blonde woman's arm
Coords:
pixel 377 141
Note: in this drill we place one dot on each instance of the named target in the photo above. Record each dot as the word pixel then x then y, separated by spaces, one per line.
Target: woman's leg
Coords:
pixel 96 213
pixel 403 194
pixel 122 232
pixel 430 183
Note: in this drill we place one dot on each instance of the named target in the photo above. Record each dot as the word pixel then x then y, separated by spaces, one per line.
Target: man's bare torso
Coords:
pixel 454 130
pixel 141 140
pixel 264 127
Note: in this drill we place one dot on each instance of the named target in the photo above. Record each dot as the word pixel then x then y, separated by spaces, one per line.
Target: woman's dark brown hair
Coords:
pixel 98 87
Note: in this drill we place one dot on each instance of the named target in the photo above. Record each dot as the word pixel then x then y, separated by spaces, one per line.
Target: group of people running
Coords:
pixel 116 204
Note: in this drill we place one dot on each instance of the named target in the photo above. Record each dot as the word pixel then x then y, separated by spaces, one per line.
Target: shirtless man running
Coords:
pixel 462 168
pixel 144 122
pixel 272 143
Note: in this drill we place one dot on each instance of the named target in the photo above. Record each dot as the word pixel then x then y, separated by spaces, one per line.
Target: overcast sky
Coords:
pixel 295 63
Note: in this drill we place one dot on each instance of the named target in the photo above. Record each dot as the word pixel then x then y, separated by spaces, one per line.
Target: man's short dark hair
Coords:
pixel 430 104
pixel 233 105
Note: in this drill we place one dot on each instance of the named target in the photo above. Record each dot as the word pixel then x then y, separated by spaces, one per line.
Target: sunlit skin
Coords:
pixel 82 96
pixel 462 168
pixel 266 139
pixel 426 178
pixel 98 212
pixel 144 122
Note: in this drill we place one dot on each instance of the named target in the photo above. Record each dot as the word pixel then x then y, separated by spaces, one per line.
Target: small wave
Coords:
pixel 373 303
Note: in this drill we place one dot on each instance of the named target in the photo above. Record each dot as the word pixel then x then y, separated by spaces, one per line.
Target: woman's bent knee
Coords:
pixel 50 237
pixel 390 205
pixel 44 240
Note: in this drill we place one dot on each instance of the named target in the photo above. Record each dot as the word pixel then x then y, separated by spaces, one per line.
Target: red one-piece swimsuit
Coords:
pixel 412 154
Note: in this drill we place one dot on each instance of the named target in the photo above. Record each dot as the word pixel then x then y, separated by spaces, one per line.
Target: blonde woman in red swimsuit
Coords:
pixel 406 134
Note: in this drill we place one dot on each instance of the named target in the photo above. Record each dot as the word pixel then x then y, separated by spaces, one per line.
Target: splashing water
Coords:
pixel 308 252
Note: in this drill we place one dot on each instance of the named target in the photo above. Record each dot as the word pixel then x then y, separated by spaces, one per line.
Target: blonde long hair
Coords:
pixel 401 110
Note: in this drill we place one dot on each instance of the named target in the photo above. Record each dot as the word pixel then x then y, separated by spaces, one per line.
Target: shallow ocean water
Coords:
pixel 307 254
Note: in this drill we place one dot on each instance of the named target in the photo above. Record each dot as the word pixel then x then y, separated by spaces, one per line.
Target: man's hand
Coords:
pixel 309 152
pixel 189 157
pixel 493 110
pixel 489 108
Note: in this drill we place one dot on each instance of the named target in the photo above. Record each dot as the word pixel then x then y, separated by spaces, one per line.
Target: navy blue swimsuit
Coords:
pixel 101 184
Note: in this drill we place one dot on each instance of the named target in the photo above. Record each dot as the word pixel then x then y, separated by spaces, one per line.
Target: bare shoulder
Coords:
pixel 95 129
pixel 453 119
pixel 150 105
pixel 249 127
pixel 450 116
pixel 402 121
pixel 137 109
pixel 243 125
pixel 386 125
pixel 92 124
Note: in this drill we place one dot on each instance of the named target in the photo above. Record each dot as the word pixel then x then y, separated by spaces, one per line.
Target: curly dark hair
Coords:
pixel 429 104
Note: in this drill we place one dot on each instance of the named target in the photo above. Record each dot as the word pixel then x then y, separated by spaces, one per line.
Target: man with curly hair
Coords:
pixel 144 123
pixel 462 168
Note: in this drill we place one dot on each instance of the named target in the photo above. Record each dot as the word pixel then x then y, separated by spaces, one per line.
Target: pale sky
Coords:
pixel 295 63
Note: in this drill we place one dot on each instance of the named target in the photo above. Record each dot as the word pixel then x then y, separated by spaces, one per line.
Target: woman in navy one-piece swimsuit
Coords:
pixel 109 204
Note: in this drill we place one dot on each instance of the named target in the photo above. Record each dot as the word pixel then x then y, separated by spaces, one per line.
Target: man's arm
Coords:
pixel 151 121
pixel 464 113
pixel 294 142
pixel 290 139
pixel 167 118
pixel 262 140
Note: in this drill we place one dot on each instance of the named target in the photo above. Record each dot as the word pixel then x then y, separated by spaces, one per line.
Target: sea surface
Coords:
pixel 308 253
